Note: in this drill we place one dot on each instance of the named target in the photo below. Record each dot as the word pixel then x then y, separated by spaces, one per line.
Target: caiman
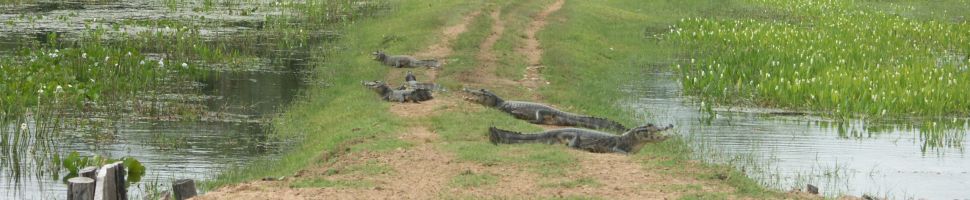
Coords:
pixel 411 82
pixel 540 114
pixel 629 142
pixel 400 61
pixel 398 95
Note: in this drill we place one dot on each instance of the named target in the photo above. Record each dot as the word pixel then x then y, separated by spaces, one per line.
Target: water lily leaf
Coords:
pixel 135 169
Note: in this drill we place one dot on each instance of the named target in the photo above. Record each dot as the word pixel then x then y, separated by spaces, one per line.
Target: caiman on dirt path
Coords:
pixel 539 113
pixel 585 139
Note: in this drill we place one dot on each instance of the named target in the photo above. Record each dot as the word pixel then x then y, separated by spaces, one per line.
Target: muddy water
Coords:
pixel 894 159
pixel 230 130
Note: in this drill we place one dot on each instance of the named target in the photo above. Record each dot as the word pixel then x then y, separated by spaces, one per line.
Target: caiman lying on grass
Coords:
pixel 540 114
pixel 585 139
pixel 411 82
pixel 399 95
pixel 400 61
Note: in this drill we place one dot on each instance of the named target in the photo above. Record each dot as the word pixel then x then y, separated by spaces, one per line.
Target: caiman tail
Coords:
pixel 595 123
pixel 497 136
pixel 430 63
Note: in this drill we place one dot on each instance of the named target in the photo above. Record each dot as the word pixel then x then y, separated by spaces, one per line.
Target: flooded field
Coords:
pixel 187 88
pixel 900 159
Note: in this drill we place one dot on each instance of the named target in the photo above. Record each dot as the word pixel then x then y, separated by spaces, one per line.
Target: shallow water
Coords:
pixel 231 128
pixel 231 135
pixel 893 159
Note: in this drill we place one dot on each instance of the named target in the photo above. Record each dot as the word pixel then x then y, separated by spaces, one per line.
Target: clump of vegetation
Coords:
pixel 74 162
pixel 839 57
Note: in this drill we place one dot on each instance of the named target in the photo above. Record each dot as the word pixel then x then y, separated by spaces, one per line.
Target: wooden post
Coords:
pixel 183 189
pixel 80 188
pixel 110 182
pixel 90 172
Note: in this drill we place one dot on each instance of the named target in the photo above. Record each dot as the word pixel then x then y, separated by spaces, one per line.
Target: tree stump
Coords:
pixel 90 172
pixel 812 189
pixel 110 182
pixel 183 189
pixel 80 188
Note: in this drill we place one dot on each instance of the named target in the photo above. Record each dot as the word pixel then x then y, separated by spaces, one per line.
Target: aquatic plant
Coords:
pixel 74 162
pixel 838 57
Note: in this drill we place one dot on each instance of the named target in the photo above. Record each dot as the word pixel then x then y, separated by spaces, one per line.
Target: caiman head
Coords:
pixel 482 96
pixel 410 77
pixel 379 55
pixel 650 133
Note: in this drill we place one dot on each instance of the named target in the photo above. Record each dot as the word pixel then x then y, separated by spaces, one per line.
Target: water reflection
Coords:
pixel 169 149
pixel 897 158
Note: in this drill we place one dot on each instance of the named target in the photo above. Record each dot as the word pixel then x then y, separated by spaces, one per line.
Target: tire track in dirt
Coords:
pixel 484 74
pixel 532 79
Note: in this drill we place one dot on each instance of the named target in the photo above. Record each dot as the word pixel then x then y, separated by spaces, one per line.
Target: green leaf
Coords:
pixel 135 169
pixel 70 163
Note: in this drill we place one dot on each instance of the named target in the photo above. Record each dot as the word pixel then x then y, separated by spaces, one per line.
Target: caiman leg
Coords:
pixel 618 150
pixel 544 117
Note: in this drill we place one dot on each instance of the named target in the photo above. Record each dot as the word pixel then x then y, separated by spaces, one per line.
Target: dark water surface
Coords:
pixel 894 159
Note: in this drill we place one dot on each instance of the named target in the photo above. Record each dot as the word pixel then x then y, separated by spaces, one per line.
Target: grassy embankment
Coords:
pixel 840 58
pixel 343 110
pixel 586 60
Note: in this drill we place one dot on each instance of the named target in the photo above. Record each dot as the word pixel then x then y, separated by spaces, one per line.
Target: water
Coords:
pixel 232 133
pixel 894 159
pixel 229 109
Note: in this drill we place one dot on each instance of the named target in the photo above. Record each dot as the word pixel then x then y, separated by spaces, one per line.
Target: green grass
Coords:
pixel 344 111
pixel 588 62
pixel 841 58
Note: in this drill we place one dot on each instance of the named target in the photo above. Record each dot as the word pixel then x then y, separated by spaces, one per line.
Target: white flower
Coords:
pixel 106 58
pixel 40 91
pixel 142 62
pixel 23 126
pixel 129 53
pixel 184 65
pixel 84 55
pixel 161 63
pixel 58 89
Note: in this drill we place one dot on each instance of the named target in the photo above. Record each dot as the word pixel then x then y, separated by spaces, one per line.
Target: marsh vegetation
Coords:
pixel 164 82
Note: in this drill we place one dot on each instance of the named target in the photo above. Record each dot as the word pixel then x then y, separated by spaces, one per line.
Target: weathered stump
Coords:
pixel 812 189
pixel 90 172
pixel 183 189
pixel 80 188
pixel 110 182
